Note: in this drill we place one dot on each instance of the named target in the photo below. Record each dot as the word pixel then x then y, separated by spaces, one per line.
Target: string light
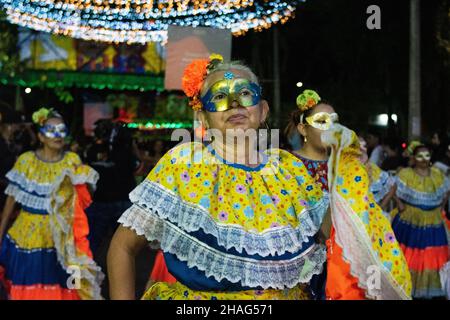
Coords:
pixel 141 21
pixel 154 125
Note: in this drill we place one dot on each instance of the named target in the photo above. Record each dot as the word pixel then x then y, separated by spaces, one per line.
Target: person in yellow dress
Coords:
pixel 357 243
pixel 420 227
pixel 46 253
pixel 230 227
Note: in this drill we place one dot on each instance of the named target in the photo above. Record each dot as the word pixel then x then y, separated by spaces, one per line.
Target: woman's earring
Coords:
pixel 304 139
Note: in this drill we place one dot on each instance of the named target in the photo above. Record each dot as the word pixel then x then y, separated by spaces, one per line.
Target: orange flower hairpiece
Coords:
pixel 194 75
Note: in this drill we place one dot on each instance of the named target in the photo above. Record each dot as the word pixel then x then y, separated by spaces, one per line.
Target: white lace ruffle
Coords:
pixel 372 275
pixel 26 184
pixel 417 198
pixel 27 199
pixel 219 265
pixel 158 200
pixel 381 187
pixel 66 251
pixel 44 189
pixel 22 189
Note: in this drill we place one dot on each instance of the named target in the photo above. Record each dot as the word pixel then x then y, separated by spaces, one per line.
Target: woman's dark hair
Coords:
pixel 421 146
pixel 294 118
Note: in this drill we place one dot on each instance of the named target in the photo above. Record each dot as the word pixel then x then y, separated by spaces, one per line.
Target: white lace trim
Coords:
pixel 418 198
pixel 444 275
pixel 44 189
pixel 190 217
pixel 381 187
pixel 214 263
pixel 358 252
pixel 65 250
pixel 27 199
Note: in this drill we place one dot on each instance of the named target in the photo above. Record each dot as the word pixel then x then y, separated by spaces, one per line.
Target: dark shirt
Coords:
pixel 116 169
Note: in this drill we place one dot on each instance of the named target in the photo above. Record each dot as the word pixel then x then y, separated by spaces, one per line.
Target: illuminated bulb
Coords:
pixel 27 90
pixel 299 84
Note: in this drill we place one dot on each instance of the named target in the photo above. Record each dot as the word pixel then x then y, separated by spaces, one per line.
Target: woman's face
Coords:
pixel 237 117
pixel 53 133
pixel 312 134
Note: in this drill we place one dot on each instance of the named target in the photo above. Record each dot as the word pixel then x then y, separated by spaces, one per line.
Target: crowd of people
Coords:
pixel 304 222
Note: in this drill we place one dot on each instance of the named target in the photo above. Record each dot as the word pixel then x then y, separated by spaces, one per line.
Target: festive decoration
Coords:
pixel 66 79
pixel 307 99
pixel 153 125
pixel 142 21
pixel 39 117
pixel 194 75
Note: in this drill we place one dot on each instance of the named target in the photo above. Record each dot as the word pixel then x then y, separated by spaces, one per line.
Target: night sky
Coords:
pixel 361 72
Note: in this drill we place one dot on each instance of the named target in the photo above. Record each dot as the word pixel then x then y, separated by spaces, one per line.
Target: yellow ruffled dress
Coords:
pixel 230 231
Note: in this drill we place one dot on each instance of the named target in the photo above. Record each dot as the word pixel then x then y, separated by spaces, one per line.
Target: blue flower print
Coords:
pixel 266 199
pixel 297 164
pixel 173 160
pixel 283 192
pixel 249 213
pixel 158 168
pixel 344 191
pixel 169 179
pixel 339 181
pixel 365 217
pixel 380 242
pixel 216 188
pixel 309 188
pixel 198 174
pixel 228 75
pixel 396 252
pixel 206 183
pixel 184 152
pixel 357 178
pixel 372 205
pixel 300 179
pixel 236 206
pixel 204 202
pixel 186 293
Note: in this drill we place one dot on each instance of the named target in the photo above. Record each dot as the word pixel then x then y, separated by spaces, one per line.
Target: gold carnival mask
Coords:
pixel 322 120
pixel 222 93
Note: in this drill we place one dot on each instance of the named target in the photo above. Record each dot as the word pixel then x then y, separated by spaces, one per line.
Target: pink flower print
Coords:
pixel 274 224
pixel 185 177
pixel 268 211
pixel 220 198
pixel 303 203
pixel 389 237
pixel 249 178
pixel 288 177
pixel 259 292
pixel 275 200
pixel 192 195
pixel 240 189
pixel 223 216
